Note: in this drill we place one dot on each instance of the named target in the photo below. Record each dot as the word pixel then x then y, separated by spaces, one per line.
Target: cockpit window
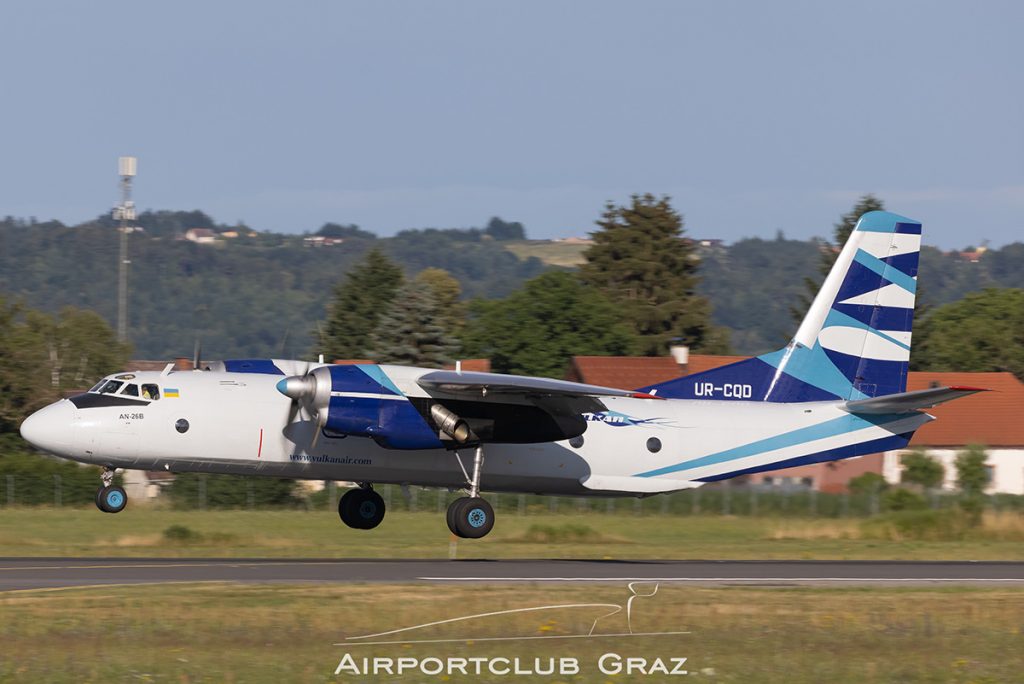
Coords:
pixel 98 385
pixel 131 390
pixel 150 391
pixel 111 387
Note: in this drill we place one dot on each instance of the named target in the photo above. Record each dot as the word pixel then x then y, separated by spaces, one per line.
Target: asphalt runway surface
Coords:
pixel 20 574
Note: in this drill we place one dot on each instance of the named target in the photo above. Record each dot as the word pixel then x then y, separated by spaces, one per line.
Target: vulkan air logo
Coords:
pixel 616 419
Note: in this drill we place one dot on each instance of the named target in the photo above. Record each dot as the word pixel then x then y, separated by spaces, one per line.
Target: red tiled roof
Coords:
pixel 698 363
pixel 993 418
pixel 623 372
pixel 473 365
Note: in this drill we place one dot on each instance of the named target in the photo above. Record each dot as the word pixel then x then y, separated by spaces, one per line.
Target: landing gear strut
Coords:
pixel 362 508
pixel 110 498
pixel 471 517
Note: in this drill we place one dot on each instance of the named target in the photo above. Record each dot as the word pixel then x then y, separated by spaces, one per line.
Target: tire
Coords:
pixel 452 514
pixel 112 499
pixel 361 509
pixel 474 518
pixel 99 500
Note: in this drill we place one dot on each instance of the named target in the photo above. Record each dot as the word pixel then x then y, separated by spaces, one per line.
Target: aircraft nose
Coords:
pixel 50 427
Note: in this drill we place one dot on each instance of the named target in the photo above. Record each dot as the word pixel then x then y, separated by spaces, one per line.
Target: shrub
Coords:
pixel 902 499
pixel 918 525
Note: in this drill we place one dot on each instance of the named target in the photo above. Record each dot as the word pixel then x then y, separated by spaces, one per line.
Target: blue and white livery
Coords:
pixel 837 390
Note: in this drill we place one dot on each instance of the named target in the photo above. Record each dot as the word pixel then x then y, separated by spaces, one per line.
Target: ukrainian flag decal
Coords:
pixel 170 392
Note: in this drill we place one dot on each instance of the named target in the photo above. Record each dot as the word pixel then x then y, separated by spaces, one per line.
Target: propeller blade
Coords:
pixel 197 353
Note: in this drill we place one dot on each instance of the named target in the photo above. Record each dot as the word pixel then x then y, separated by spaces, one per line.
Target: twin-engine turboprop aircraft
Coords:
pixel 836 390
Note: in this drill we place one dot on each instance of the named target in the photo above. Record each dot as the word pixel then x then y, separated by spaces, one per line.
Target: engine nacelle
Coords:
pixel 364 402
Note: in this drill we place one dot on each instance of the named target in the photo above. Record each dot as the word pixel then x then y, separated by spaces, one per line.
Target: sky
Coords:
pixel 754 117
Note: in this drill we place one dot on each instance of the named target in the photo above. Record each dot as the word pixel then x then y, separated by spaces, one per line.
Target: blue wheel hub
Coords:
pixel 476 517
pixel 115 499
pixel 367 509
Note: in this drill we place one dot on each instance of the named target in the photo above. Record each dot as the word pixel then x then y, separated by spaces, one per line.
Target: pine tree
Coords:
pixel 367 290
pixel 411 331
pixel 830 251
pixel 641 262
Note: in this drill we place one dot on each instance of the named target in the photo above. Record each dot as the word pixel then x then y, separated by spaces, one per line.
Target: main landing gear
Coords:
pixel 362 508
pixel 471 517
pixel 110 498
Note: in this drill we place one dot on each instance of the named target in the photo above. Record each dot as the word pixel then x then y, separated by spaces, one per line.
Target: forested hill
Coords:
pixel 262 294
pixel 252 295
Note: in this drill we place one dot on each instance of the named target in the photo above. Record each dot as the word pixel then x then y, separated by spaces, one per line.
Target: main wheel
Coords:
pixel 361 509
pixel 473 517
pixel 111 499
pixel 452 514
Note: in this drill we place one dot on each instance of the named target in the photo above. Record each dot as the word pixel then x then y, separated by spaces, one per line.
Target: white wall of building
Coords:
pixel 1007 468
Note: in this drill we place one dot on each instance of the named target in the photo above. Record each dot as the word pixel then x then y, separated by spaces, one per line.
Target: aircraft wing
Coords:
pixel 474 385
pixel 518 409
pixel 907 402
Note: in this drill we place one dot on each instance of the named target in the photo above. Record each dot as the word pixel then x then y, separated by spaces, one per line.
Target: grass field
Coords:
pixel 551 253
pixel 277 633
pixel 142 531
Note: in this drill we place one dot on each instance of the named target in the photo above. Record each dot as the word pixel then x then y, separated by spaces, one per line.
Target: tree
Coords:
pixel 830 251
pixel 920 469
pixel 641 262
pixel 351 231
pixel 972 478
pixel 44 355
pixel 359 299
pixel 502 230
pixel 536 330
pixel 411 331
pixel 971 473
pixel 446 292
pixel 981 332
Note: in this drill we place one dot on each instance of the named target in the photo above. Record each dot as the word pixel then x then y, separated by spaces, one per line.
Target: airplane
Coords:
pixel 837 390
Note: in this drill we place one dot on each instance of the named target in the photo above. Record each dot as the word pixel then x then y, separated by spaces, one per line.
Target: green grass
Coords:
pixel 275 633
pixel 147 531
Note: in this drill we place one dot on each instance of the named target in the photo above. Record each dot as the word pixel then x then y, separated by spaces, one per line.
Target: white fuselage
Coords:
pixel 240 423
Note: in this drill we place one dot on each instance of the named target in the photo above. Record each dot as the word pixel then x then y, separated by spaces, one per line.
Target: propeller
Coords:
pixel 310 394
pixel 197 353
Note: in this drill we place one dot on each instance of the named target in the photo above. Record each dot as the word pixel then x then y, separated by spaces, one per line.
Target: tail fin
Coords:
pixel 854 342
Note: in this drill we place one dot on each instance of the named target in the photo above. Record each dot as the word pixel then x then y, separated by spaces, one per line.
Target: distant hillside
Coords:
pixel 261 294
pixel 242 296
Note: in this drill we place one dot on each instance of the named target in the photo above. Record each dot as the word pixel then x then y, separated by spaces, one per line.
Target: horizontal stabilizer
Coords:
pixel 906 402
pixel 636 485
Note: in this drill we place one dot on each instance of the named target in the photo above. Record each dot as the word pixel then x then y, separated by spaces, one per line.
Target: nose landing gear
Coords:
pixel 110 498
pixel 471 517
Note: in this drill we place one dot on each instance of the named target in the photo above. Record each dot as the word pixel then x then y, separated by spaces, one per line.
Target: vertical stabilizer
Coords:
pixel 853 343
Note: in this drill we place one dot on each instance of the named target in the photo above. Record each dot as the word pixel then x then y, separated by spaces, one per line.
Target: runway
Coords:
pixel 20 574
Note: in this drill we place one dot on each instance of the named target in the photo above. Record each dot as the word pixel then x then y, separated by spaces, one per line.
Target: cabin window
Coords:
pixel 111 387
pixel 131 390
pixel 150 391
pixel 654 445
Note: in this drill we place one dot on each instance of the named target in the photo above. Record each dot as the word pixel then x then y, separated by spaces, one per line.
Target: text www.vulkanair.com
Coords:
pixel 341 460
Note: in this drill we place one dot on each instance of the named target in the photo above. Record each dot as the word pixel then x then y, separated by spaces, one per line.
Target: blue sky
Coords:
pixel 753 116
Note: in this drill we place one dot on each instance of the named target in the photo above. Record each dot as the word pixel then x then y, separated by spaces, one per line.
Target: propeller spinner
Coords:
pixel 310 394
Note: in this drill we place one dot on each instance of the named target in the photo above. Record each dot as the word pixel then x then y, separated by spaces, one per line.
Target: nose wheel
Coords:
pixel 471 517
pixel 361 509
pixel 110 498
